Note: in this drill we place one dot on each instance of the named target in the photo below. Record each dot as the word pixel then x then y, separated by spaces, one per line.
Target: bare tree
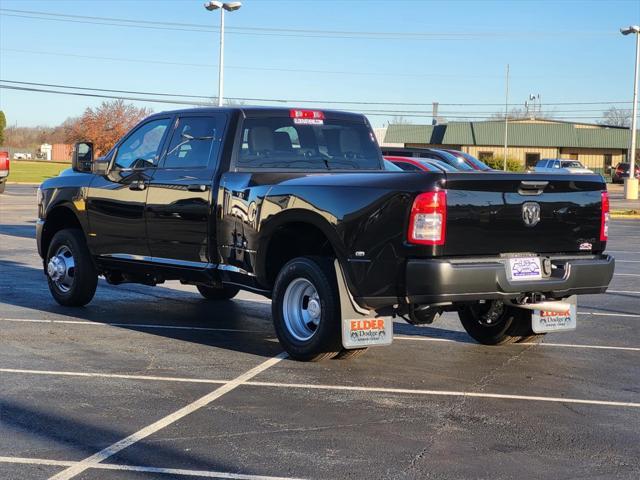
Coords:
pixel 400 120
pixel 514 114
pixel 616 117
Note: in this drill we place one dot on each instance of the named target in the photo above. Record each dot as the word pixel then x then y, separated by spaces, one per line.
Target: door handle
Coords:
pixel 197 188
pixel 137 185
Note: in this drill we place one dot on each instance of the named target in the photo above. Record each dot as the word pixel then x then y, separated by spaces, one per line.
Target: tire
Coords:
pixel 227 292
pixel 494 323
pixel 306 309
pixel 345 354
pixel 68 253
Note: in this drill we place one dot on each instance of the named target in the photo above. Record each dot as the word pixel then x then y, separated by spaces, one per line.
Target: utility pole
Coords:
pixel 506 120
pixel 631 183
pixel 434 113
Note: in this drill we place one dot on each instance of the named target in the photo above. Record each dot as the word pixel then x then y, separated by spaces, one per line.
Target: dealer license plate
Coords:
pixel 543 321
pixel 525 268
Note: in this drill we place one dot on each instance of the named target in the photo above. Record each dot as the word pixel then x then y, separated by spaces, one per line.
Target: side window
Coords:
pixel 194 142
pixel 142 147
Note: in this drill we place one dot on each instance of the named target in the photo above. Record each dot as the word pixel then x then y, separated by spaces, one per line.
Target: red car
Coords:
pixel 4 169
pixel 417 163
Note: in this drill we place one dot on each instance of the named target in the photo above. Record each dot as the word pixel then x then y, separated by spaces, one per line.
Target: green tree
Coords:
pixel 3 124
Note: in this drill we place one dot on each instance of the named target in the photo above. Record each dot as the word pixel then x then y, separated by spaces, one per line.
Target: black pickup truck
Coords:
pixel 296 205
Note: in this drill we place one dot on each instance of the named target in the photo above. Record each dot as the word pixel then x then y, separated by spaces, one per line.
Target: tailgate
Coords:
pixel 498 212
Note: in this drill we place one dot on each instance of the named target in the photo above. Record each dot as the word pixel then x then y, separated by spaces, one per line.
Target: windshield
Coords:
pixel 572 165
pixel 283 142
pixel 457 163
pixel 437 164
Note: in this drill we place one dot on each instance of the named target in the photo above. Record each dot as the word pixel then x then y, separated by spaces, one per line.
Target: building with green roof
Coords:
pixel 598 147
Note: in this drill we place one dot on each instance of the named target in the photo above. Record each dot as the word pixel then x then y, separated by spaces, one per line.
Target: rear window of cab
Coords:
pixel 307 142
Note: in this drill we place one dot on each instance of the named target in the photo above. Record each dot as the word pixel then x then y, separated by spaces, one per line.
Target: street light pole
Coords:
pixel 631 183
pixel 229 7
pixel 221 60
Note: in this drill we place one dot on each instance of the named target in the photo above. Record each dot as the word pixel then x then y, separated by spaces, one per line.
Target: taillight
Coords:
pixel 604 220
pixel 428 220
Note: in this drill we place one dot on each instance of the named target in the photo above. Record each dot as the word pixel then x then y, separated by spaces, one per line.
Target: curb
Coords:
pixel 618 216
pixel 24 183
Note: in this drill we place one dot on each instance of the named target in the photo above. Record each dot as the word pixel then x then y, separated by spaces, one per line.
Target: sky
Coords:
pixel 401 54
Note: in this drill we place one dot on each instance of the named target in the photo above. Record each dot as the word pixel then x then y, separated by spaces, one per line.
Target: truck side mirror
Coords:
pixel 82 157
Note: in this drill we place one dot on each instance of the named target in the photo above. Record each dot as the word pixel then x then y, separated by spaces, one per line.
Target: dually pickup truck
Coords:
pixel 296 205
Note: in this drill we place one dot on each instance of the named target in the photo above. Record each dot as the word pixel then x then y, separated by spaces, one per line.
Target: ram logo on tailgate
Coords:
pixel 530 213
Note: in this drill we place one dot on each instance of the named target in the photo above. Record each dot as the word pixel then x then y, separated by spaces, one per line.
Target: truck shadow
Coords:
pixel 239 325
pixel 20 231
pixel 82 439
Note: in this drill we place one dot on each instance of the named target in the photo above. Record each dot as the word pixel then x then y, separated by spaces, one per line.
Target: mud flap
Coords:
pixel 360 327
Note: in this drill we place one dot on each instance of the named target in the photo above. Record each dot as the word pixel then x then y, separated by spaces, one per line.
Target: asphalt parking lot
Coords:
pixel 164 384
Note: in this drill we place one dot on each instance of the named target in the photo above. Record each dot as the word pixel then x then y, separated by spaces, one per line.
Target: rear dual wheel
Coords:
pixel 494 323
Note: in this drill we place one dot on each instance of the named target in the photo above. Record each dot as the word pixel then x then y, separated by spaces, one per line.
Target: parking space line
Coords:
pixel 36 461
pixel 604 314
pixel 624 291
pixel 111 450
pixel 138 468
pixel 111 375
pixel 443 393
pixel 626 274
pixel 239 381
pixel 132 325
pixel 542 344
pixel 627 261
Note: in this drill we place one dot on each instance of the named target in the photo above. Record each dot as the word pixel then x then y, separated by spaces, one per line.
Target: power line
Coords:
pixel 286 32
pixel 282 100
pixel 384 113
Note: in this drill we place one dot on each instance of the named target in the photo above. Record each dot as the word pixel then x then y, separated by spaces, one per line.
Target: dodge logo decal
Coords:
pixel 531 213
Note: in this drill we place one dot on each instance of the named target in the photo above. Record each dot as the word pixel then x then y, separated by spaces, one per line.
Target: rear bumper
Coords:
pixel 459 280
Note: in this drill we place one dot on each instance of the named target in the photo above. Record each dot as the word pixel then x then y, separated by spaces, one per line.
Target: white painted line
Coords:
pixel 444 393
pixel 36 461
pixel 576 345
pixel 131 325
pixel 542 344
pixel 63 373
pixel 627 261
pixel 111 450
pixel 136 468
pixel 624 291
pixel 195 473
pixel 632 315
pixel 626 274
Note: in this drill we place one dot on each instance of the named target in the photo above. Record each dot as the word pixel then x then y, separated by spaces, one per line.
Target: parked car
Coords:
pixel 472 161
pixel 459 163
pixel 622 171
pixel 558 165
pixel 22 156
pixel 5 165
pixel 296 205
pixel 390 166
pixel 413 164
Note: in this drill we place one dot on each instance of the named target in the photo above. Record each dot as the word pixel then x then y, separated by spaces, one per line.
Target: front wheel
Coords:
pixel 71 274
pixel 306 309
pixel 494 323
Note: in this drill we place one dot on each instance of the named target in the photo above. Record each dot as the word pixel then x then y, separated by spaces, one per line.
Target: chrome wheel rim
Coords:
pixel 302 309
pixel 61 269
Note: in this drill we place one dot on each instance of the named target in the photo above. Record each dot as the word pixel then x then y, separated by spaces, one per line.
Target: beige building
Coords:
pixel 598 147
